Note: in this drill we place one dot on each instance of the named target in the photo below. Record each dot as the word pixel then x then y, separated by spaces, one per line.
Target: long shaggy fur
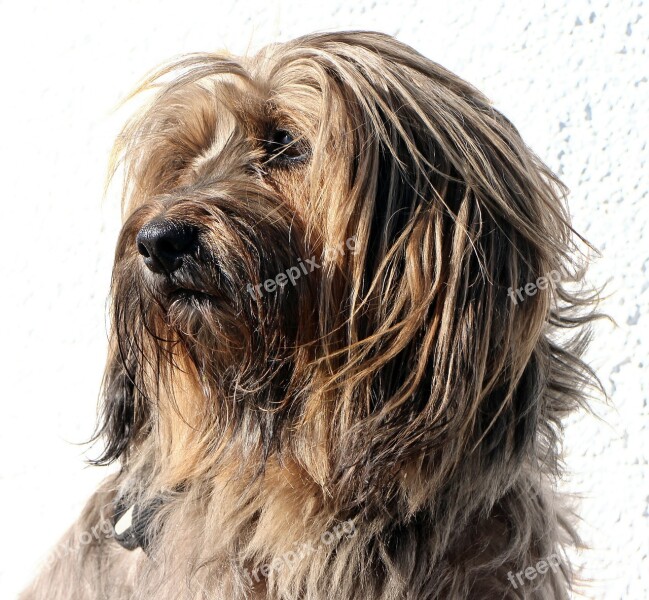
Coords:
pixel 396 387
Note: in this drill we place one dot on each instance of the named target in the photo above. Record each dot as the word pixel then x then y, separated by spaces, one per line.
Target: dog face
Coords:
pixel 315 258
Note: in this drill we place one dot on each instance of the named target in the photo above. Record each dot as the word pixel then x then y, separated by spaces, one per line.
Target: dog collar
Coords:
pixel 132 524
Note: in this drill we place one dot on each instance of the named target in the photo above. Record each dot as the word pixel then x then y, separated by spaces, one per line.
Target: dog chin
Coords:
pixel 190 311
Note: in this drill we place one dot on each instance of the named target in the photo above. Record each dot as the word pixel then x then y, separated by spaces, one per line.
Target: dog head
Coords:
pixel 315 262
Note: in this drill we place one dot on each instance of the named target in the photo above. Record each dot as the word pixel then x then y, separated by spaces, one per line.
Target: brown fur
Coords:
pixel 397 387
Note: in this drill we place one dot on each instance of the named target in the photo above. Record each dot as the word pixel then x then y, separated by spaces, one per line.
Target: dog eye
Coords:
pixel 283 138
pixel 283 146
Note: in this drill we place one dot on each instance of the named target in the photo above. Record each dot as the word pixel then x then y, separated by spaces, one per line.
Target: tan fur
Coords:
pixel 396 389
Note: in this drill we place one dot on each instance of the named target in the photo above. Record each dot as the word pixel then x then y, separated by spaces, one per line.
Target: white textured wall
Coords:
pixel 571 74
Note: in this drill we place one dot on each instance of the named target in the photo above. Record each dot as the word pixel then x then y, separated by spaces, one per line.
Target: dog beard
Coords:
pixel 397 384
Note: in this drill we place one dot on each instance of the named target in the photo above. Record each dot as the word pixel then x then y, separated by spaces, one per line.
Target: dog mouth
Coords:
pixel 178 291
pixel 189 296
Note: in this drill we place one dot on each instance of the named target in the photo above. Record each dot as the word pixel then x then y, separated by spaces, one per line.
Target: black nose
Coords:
pixel 164 244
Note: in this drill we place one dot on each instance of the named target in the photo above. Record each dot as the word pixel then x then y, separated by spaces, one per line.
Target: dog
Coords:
pixel 318 383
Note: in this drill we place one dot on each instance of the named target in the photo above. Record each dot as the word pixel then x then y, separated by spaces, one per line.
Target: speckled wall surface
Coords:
pixel 571 74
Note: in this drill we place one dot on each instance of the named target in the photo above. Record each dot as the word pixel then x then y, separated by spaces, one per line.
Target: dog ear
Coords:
pixel 438 362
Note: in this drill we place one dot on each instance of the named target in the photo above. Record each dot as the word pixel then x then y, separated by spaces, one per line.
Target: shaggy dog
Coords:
pixel 324 378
